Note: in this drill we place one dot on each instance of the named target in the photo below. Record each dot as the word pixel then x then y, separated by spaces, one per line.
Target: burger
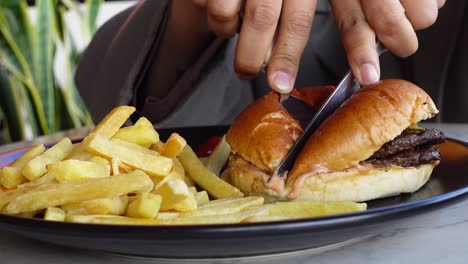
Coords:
pixel 371 147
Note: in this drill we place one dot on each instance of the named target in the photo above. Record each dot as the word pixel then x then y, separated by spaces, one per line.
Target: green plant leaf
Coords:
pixel 31 99
pixel 59 20
pixel 17 108
pixel 90 17
pixel 19 28
pixel 72 104
pixel 8 45
pixel 32 91
pixel 4 132
pixel 14 71
pixel 43 54
pixel 9 3
pixel 12 59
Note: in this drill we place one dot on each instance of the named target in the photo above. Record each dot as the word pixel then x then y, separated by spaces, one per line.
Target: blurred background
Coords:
pixel 40 46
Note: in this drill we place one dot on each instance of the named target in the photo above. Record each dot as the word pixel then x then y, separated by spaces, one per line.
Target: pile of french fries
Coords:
pixel 127 176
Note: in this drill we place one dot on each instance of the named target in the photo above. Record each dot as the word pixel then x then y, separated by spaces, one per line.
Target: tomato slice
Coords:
pixel 207 147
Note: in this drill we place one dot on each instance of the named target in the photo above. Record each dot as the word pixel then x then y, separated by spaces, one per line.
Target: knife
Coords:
pixel 345 89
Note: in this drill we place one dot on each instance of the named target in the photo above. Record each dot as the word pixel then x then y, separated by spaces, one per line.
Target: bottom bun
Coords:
pixel 356 184
pixel 363 185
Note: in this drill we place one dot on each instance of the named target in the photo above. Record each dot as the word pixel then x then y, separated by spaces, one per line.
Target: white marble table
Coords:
pixel 440 236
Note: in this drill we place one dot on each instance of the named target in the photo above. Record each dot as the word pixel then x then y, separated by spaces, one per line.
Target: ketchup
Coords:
pixel 207 147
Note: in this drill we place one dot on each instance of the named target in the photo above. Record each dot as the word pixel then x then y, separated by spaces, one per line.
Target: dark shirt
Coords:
pixel 209 93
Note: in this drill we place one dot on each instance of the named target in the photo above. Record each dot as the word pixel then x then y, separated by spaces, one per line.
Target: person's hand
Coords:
pixel 273 31
pixel 282 28
pixel 393 22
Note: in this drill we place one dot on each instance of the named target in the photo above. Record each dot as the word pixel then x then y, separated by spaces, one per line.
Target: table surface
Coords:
pixel 436 237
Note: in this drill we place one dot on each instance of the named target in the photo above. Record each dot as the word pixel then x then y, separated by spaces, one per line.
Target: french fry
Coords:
pixel 219 207
pixel 157 146
pixel 111 206
pixel 123 168
pixel 217 159
pixel 63 193
pixel 115 163
pixel 227 206
pixel 168 215
pixel 47 178
pixel 203 160
pixel 100 160
pixel 54 214
pixel 79 152
pixel 205 178
pixel 188 181
pixel 187 220
pixel 10 177
pixel 236 217
pixel 305 209
pixel 77 170
pixel 157 166
pixel 173 146
pixel 144 122
pixel 112 122
pixel 108 126
pixel 142 133
pixel 187 205
pixel 132 197
pixel 146 205
pixel 177 172
pixel 133 146
pixel 31 213
pixel 314 208
pixel 193 189
pixel 37 166
pixel 201 197
pixel 118 167
pixel 176 195
pixel 8 196
pixel 268 218
pixel 28 156
pixel 152 182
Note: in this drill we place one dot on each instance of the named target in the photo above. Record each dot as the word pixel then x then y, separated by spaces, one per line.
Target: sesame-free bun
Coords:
pixel 263 134
pixel 373 116
pixel 360 185
pixel 356 184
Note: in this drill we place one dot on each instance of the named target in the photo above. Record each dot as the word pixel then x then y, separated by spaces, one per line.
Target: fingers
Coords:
pixel 200 3
pixel 358 40
pixel 388 19
pixel 256 36
pixel 421 13
pixel 294 30
pixel 440 3
pixel 223 16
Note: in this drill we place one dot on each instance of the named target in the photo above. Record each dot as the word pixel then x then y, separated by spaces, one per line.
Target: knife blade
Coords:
pixel 298 109
pixel 345 89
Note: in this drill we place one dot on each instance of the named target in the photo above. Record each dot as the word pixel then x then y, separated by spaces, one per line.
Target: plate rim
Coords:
pixel 264 228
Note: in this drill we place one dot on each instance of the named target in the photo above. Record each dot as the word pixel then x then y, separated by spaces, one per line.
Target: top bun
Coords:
pixel 373 116
pixel 264 132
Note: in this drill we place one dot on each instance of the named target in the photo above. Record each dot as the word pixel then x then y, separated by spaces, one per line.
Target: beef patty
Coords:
pixel 410 149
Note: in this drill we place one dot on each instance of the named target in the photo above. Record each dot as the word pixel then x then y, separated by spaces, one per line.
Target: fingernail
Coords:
pixel 369 74
pixel 283 81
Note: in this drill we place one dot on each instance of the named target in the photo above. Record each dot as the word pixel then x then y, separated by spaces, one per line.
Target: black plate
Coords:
pixel 448 184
